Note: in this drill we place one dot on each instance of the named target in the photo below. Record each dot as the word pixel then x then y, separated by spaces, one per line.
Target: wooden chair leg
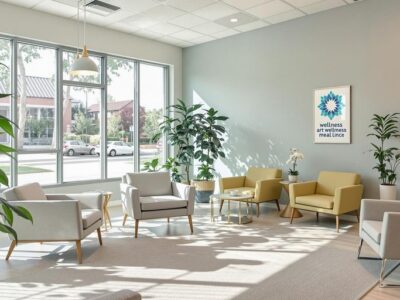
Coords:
pixel 11 249
pixel 220 207
pixel 190 224
pixel 337 223
pixel 79 252
pixel 317 216
pixel 136 228
pixel 124 220
pixel 99 236
pixel 358 216
pixel 292 215
pixel 168 220
pixel 258 209
pixel 277 204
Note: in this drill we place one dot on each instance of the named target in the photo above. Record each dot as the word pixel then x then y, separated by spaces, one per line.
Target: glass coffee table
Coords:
pixel 242 218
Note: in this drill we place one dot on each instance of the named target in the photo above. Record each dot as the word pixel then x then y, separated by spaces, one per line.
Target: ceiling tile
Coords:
pixel 140 21
pixel 190 5
pixel 135 6
pixel 225 33
pixel 163 13
pixel 148 34
pixel 26 3
pixel 252 26
pixel 215 11
pixel 123 27
pixel 186 35
pixel 269 9
pixel 56 8
pixel 239 19
pixel 187 21
pixel 321 6
pixel 209 28
pixel 293 14
pixel 301 3
pixel 165 28
pixel 245 4
pixel 203 39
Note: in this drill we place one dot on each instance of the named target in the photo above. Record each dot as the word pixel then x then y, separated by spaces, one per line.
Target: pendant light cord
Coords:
pixel 77 26
pixel 84 23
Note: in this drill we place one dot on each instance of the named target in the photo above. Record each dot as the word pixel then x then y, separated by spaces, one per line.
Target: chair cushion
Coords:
pixel 373 229
pixel 329 181
pixel 151 184
pixel 243 190
pixel 30 191
pixel 90 216
pixel 255 174
pixel 316 200
pixel 162 202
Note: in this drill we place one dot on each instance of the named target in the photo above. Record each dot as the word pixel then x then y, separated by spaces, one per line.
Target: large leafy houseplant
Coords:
pixel 7 210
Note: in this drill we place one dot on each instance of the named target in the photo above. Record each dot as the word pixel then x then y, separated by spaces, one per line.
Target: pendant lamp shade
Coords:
pixel 83 65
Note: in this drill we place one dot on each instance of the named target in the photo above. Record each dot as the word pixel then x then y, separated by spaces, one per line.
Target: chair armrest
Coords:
pixel 301 189
pixel 130 198
pixel 54 220
pixel 390 240
pixel 231 183
pixel 269 189
pixel 347 199
pixel 87 200
pixel 186 192
pixel 374 209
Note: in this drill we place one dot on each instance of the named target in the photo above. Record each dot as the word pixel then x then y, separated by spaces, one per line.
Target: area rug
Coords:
pixel 266 259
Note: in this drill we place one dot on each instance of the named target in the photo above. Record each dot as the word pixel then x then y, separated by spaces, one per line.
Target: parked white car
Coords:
pixel 72 148
pixel 117 148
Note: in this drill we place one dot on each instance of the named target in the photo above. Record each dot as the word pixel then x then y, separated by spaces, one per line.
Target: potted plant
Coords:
pixel 151 166
pixel 294 156
pixel 7 210
pixel 208 144
pixel 388 158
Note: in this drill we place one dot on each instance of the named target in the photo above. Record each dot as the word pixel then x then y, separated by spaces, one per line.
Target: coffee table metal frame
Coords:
pixel 227 197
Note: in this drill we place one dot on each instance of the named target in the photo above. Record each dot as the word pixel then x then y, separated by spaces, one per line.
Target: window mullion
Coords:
pixel 103 117
pixel 136 118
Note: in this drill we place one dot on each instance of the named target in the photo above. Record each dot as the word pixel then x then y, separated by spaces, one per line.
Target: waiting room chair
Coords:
pixel 153 196
pixel 56 217
pixel 379 228
pixel 334 193
pixel 262 183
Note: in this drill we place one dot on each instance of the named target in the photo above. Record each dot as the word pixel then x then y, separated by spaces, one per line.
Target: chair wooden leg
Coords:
pixel 258 209
pixel 220 207
pixel 337 223
pixel 124 220
pixel 317 216
pixel 277 204
pixel 358 216
pixel 136 228
pixel 99 236
pixel 190 224
pixel 79 252
pixel 11 249
pixel 292 215
pixel 168 220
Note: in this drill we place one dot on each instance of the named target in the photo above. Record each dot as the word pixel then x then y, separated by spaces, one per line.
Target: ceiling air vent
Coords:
pixel 101 8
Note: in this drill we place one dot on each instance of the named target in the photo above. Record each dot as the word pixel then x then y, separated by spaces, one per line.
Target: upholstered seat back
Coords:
pixel 255 174
pixel 30 191
pixel 329 181
pixel 150 184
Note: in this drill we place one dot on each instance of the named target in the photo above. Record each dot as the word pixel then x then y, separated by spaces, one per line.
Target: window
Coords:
pixel 152 103
pixel 68 60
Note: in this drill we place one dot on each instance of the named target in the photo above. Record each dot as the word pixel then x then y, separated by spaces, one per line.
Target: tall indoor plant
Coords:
pixel 208 143
pixel 388 158
pixel 7 210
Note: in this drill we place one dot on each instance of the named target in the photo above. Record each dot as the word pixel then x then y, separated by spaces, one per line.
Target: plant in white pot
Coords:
pixel 388 158
pixel 294 156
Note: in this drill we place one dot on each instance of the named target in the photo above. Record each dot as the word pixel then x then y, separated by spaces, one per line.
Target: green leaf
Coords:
pixel 22 212
pixel 8 215
pixel 3 178
pixel 8 229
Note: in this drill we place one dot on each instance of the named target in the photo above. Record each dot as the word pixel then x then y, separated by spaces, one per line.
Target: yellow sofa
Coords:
pixel 262 183
pixel 334 193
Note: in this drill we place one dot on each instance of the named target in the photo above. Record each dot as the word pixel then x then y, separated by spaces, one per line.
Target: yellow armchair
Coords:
pixel 334 193
pixel 262 183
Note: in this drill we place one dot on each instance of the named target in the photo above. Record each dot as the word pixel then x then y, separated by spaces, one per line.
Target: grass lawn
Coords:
pixel 25 170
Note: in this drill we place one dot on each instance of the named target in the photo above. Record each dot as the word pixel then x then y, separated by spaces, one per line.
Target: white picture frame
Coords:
pixel 332 115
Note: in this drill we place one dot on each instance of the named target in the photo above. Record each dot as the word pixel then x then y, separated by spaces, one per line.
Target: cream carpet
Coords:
pixel 267 259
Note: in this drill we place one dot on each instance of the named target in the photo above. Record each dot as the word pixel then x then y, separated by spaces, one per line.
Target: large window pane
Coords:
pixel 81 129
pixel 121 83
pixel 40 168
pixel 152 101
pixel 68 60
pixel 36 97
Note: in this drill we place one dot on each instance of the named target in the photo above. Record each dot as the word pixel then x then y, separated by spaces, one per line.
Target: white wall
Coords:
pixel 32 24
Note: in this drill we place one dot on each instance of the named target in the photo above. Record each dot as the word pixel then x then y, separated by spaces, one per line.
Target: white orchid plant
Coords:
pixel 294 156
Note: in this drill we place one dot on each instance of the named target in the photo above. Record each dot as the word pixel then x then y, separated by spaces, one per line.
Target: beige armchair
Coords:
pixel 153 196
pixel 63 217
pixel 262 183
pixel 334 193
pixel 379 228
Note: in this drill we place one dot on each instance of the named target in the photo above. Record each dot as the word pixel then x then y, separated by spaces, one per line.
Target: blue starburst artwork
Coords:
pixel 331 105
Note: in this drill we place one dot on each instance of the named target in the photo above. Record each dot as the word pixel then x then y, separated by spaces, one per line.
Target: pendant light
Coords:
pixel 83 65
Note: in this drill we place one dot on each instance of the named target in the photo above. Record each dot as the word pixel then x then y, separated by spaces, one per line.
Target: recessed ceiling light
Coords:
pixel 234 20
